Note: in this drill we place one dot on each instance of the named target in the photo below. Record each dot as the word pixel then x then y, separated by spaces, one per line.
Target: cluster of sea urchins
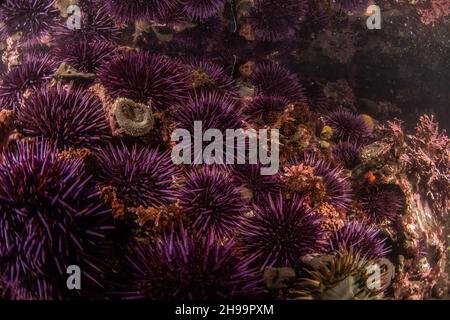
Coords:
pixel 77 170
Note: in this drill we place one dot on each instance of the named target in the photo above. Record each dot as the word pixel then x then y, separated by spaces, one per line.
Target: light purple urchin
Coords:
pixel 280 231
pixel 51 217
pixel 274 20
pixel 34 72
pixel 212 201
pixel 68 117
pixel 348 126
pixel 33 18
pixel 183 267
pixel 202 9
pixel 145 78
pixel 271 79
pixel 359 238
pixel 142 177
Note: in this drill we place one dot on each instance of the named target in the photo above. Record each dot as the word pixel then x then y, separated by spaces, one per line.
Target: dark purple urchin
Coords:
pixel 348 126
pixel 34 72
pixel 128 11
pixel 50 219
pixel 180 267
pixel 212 201
pixel 274 20
pixel 383 202
pixel 132 10
pixel 360 238
pixel 338 189
pixel 280 232
pixel 205 76
pixel 212 109
pixel 68 117
pixel 86 56
pixel 142 177
pixel 351 5
pixel 146 78
pixel 347 153
pixel 95 25
pixel 271 79
pixel 265 109
pixel 249 176
pixel 202 9
pixel 33 18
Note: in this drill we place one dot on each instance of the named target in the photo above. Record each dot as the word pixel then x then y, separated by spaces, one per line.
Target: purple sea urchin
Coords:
pixel 181 267
pixel 348 126
pixel 215 112
pixel 249 176
pixel 382 202
pixel 95 25
pixel 24 79
pixel 145 78
pixel 205 76
pixel 68 117
pixel 359 238
pixel 33 18
pixel 274 80
pixel 272 20
pixel 280 232
pixel 351 5
pixel 129 11
pixel 142 177
pixel 85 56
pixel 338 191
pixel 212 201
pixel 346 153
pixel 50 218
pixel 265 109
pixel 202 9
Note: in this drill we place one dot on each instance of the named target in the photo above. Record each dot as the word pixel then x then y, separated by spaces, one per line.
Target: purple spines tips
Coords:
pixel 142 177
pixel 360 238
pixel 338 189
pixel 85 56
pixel 273 20
pixel 249 176
pixel 183 267
pixel 383 202
pixel 207 77
pixel 214 110
pixel 280 231
pixel 212 201
pixel 32 18
pixel 265 108
pixel 145 78
pixel 274 80
pixel 68 117
pixel 348 126
pixel 50 218
pixel 35 71
pixel 202 9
